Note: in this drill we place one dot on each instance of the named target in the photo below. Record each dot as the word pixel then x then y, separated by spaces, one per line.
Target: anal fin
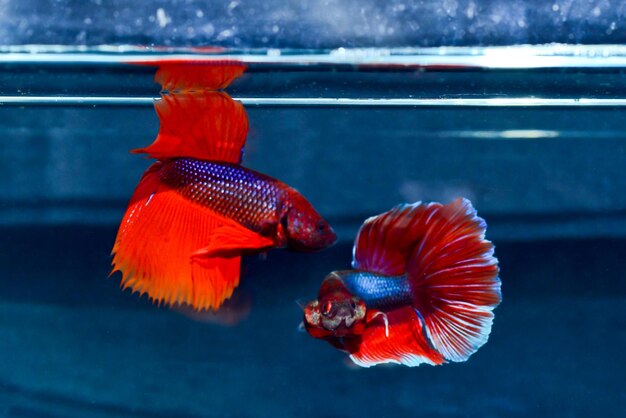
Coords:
pixel 397 337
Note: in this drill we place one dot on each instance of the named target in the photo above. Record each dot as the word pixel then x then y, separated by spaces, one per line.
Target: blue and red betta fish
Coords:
pixel 422 290
pixel 197 210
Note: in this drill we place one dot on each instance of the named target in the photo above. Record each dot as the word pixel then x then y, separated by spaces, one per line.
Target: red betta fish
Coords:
pixel 197 210
pixel 423 288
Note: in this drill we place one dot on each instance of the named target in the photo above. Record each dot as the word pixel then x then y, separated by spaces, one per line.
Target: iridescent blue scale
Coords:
pixel 378 291
pixel 250 198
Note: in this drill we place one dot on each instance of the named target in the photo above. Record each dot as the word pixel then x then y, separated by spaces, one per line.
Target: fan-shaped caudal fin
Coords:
pixel 197 75
pixel 395 337
pixel 200 125
pixel 454 277
pixel 157 248
pixel 385 242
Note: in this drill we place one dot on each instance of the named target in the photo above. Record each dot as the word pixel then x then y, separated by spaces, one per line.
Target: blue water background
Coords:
pixel 549 182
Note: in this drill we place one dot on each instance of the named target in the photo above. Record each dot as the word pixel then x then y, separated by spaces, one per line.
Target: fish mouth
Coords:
pixel 319 242
pixel 342 329
pixel 317 245
pixel 338 322
pixel 331 237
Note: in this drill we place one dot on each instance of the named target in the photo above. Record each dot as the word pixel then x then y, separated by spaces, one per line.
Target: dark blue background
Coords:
pixel 73 345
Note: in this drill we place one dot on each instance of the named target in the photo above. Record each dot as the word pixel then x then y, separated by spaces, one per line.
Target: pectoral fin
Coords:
pixel 232 240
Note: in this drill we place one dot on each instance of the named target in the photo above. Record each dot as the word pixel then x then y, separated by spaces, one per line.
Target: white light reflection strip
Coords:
pixel 506 134
pixel 323 102
pixel 509 57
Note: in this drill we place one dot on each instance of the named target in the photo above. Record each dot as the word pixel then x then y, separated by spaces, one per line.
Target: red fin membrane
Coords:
pixel 384 242
pixel 454 277
pixel 197 75
pixel 154 248
pixel 201 125
pixel 396 338
pixel 228 240
pixel 453 273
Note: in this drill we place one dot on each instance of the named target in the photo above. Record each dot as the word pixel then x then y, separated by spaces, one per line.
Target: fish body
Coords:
pixel 197 210
pixel 423 288
pixel 254 200
pixel 377 290
pixel 249 197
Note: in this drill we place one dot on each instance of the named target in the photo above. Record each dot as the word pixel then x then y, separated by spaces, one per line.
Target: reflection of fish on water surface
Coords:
pixel 422 290
pixel 197 210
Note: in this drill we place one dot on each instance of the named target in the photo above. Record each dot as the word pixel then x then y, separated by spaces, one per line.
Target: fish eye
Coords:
pixel 353 305
pixel 321 226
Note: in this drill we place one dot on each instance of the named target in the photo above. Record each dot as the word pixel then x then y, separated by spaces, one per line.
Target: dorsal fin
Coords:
pixel 204 125
pixel 384 242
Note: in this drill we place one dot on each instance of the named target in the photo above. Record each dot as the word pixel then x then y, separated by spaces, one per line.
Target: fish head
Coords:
pixel 305 229
pixel 335 315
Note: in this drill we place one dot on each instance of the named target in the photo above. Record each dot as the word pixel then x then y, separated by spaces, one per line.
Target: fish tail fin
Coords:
pixel 204 125
pixel 454 278
pixel 155 246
